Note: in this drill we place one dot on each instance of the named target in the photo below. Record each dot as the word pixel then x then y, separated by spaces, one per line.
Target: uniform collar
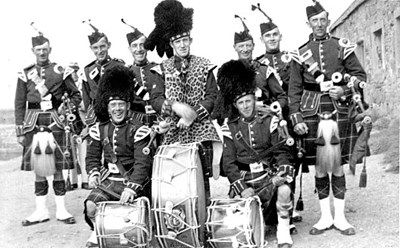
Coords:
pixel 326 37
pixel 108 58
pixel 273 52
pixel 146 62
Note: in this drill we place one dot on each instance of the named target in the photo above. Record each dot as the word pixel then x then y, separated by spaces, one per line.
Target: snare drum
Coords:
pixel 178 196
pixel 125 225
pixel 236 223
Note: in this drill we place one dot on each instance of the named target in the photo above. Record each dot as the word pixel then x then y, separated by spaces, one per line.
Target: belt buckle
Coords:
pixel 256 167
pixel 46 105
pixel 113 168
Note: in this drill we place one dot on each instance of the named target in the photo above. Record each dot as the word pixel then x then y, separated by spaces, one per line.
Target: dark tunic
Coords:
pixel 145 78
pixel 29 114
pixel 126 141
pixel 306 99
pixel 90 84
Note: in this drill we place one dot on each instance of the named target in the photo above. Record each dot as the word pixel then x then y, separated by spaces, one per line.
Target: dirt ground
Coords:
pixel 374 211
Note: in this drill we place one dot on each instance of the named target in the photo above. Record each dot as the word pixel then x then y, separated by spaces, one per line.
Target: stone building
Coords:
pixel 375 26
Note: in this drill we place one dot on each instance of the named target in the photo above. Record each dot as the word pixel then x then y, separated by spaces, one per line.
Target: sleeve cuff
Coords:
pixel 19 130
pixel 133 186
pixel 296 118
pixel 238 186
pixel 131 190
pixel 347 92
pixel 166 108
pixel 202 112
pixel 94 173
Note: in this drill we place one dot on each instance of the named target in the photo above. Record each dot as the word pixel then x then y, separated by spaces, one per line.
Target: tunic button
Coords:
pixel 252 139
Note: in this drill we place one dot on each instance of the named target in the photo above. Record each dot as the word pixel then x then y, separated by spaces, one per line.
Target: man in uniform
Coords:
pixel 267 80
pixel 319 109
pixel 188 89
pixel 39 96
pixel 100 45
pixel 255 158
pixel 144 77
pixel 280 61
pixel 126 170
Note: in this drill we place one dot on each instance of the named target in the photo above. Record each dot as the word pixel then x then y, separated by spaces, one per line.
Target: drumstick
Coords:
pixel 101 187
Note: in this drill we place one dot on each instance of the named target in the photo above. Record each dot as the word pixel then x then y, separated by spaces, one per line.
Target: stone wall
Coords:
pixel 375 26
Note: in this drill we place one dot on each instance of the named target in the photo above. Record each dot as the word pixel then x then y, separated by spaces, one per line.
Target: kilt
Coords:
pixel 62 162
pixel 347 132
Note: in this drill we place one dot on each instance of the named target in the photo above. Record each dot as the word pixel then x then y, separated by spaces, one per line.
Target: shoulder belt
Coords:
pixel 114 159
pixel 142 133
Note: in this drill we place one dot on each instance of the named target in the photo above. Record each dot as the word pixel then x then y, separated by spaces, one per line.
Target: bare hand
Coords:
pixel 21 140
pixel 336 92
pixel 301 128
pixel 93 181
pixel 263 109
pixel 184 111
pixel 183 124
pixel 127 196
pixel 279 179
pixel 249 192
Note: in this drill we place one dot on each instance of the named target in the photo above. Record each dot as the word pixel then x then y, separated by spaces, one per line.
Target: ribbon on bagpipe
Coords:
pixel 361 148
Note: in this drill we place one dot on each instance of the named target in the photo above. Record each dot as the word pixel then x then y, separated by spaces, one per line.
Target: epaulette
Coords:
pixel 295 55
pixel 118 60
pixel 142 133
pixel 348 47
pixel 90 64
pixel 29 67
pixel 68 71
pixel 226 132
pixel 22 76
pixel 81 74
pixel 157 69
pixel 274 123
pixel 94 132
pixel 270 71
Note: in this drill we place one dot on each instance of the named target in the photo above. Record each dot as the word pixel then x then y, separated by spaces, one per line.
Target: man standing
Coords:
pixel 255 159
pixel 280 61
pixel 319 110
pixel 188 89
pixel 269 89
pixel 126 170
pixel 40 90
pixel 100 45
pixel 144 77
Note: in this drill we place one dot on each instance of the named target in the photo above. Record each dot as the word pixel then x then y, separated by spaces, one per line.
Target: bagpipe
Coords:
pixel 361 148
pixel 72 127
pixel 282 126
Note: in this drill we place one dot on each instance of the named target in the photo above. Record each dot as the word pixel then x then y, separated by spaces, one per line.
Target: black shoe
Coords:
pixel 293 229
pixel 316 231
pixel 30 223
pixel 284 245
pixel 91 245
pixel 85 186
pixel 74 185
pixel 70 220
pixel 349 231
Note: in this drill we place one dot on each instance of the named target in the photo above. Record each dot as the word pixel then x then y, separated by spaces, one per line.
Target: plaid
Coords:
pixel 347 132
pixel 62 162
pixel 97 195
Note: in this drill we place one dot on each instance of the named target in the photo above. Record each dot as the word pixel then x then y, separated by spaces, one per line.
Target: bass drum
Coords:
pixel 236 223
pixel 125 225
pixel 178 196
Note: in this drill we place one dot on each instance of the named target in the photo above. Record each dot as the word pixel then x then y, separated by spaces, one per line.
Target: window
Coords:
pixel 377 48
pixel 360 52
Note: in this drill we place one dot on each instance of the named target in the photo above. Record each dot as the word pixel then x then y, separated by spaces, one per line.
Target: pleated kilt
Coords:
pixel 347 132
pixel 46 119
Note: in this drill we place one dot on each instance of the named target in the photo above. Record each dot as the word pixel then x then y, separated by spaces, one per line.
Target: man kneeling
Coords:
pixel 125 173
pixel 255 160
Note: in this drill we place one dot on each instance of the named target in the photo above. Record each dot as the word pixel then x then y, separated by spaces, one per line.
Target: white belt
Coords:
pixel 120 179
